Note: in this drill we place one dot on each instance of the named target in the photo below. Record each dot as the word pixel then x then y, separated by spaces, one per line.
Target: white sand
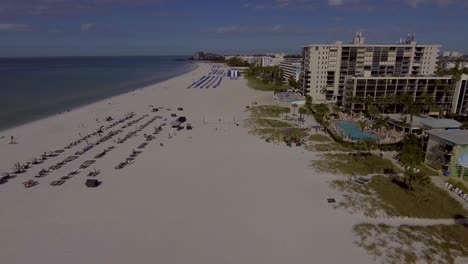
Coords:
pixel 207 196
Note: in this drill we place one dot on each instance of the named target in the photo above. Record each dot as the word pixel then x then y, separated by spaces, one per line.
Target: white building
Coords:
pixel 452 54
pixel 272 59
pixel 325 66
pixel 451 65
pixel 291 67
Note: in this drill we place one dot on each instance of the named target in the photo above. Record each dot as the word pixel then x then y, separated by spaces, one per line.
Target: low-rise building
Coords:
pixel 447 150
pixel 272 60
pixel 358 89
pixel 291 67
pixel 419 124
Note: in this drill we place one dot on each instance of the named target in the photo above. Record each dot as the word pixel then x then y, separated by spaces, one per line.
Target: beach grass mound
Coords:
pixel 353 164
pixel 257 84
pixel 413 244
pixel 268 110
pixel 382 193
pixel 326 147
pixel 426 201
pixel 358 198
pixel 319 138
pixel 279 133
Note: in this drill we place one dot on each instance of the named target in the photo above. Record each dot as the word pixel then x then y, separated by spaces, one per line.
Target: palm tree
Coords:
pixel 362 124
pixel 294 108
pixel 368 101
pixel 287 110
pixel 380 123
pixel 302 111
pixel 335 109
pixel 308 102
pixel 373 111
pixel 404 123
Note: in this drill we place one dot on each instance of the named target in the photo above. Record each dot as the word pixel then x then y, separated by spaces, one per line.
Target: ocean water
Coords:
pixel 33 88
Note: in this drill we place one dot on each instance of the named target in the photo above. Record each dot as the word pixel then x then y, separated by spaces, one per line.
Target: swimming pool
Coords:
pixel 352 131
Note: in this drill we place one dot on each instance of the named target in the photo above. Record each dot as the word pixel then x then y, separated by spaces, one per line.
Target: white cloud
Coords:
pixel 13 27
pixel 87 27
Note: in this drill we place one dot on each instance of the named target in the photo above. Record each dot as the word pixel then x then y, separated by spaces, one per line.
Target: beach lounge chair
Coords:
pixel 93 173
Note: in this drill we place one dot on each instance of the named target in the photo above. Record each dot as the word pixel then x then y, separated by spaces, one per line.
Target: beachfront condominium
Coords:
pixel 360 90
pixel 291 68
pixel 326 66
pixel 461 96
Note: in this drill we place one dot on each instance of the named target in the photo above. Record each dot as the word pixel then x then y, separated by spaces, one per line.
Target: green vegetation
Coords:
pixel 261 85
pixel 269 128
pixel 326 147
pixel 457 183
pixel 412 157
pixel 237 62
pixel 265 79
pixel 394 199
pixel 319 138
pixel 354 163
pixel 416 244
pixel 362 199
pixel 268 123
pixel 279 133
pixel 268 111
pixel 428 201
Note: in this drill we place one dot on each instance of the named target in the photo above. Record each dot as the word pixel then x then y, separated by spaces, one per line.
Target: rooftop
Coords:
pixel 456 136
pixel 420 121
pixel 440 123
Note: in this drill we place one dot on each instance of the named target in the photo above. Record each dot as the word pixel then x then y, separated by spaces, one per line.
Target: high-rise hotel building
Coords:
pixel 326 66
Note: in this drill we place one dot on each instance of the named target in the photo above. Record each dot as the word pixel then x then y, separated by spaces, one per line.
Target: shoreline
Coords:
pixel 4 130
pixel 192 195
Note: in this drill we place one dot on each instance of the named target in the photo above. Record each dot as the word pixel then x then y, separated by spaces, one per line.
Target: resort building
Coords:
pixel 326 66
pixel 461 96
pixel 420 123
pixel 358 89
pixel 291 67
pixel 447 150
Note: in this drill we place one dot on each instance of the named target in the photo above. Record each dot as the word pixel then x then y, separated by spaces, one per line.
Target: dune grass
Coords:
pixel 268 110
pixel 414 244
pixel 319 138
pixel 427 201
pixel 332 146
pixel 353 163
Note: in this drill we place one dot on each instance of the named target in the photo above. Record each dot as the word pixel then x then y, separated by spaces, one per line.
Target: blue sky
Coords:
pixel 166 27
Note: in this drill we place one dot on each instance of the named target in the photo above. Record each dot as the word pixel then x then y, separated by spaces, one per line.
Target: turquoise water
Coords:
pixel 352 131
pixel 34 88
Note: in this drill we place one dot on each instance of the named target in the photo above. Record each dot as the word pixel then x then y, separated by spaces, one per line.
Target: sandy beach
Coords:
pixel 214 194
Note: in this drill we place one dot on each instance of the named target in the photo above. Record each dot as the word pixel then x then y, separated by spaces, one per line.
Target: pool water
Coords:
pixel 352 131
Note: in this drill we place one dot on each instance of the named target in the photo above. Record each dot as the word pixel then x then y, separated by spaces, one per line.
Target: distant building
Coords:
pixel 272 60
pixel 291 67
pixel 461 96
pixel 326 66
pixel 452 54
pixel 206 56
pixel 360 88
pixel 448 65
pixel 447 150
